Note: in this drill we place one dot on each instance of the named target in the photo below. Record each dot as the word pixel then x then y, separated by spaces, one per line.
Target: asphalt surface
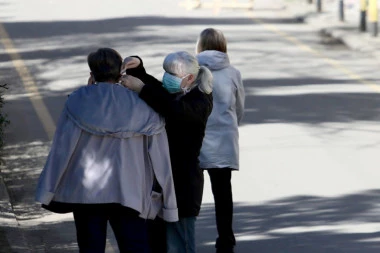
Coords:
pixel 308 181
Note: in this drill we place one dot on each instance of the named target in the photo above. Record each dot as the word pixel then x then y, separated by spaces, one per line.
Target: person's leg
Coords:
pixel 157 235
pixel 181 236
pixel 91 231
pixel 130 232
pixel 222 191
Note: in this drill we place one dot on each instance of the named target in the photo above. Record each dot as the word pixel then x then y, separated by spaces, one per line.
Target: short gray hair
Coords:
pixel 182 63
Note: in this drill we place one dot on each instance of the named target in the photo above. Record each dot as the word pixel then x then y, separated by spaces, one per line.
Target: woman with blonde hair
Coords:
pixel 220 149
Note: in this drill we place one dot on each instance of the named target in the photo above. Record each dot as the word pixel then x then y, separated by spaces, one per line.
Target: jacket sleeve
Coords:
pixel 159 155
pixel 140 73
pixel 189 108
pixel 164 103
pixel 64 142
pixel 240 98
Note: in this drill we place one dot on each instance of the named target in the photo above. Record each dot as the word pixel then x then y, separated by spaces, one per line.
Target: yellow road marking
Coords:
pixel 28 83
pixel 334 63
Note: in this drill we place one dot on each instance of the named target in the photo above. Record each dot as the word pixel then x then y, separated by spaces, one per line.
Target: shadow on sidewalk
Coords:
pixel 299 224
pixel 41 30
pixel 290 101
pixel 55 52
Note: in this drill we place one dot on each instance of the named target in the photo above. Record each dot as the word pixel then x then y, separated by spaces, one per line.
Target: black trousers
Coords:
pixel 91 225
pixel 157 235
pixel 222 191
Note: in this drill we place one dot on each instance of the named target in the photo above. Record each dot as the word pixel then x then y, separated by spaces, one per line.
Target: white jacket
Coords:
pixel 220 148
pixel 107 148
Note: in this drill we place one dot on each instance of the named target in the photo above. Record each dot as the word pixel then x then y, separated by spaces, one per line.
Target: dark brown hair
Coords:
pixel 211 39
pixel 105 64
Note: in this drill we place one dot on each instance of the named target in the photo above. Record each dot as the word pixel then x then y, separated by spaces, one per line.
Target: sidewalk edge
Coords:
pixel 13 233
pixel 353 40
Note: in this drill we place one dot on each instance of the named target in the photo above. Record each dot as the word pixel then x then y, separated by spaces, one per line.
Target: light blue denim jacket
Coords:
pixel 108 146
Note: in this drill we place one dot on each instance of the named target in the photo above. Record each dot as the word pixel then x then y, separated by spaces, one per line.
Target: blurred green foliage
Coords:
pixel 3 117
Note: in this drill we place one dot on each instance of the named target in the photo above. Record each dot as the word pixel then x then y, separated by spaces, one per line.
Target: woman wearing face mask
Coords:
pixel 184 99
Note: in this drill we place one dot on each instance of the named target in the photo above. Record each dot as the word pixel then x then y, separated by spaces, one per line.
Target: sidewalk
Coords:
pixel 328 23
pixel 11 236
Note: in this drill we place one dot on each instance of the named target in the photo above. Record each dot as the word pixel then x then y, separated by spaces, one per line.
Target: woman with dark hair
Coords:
pixel 109 152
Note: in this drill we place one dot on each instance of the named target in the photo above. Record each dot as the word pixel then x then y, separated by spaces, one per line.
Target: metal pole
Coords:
pixel 363 15
pixel 373 16
pixel 341 10
pixel 251 8
pixel 319 5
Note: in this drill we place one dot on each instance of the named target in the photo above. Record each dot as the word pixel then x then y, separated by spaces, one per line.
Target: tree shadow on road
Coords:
pixel 292 102
pixel 55 52
pixel 60 49
pixel 298 224
pixel 301 224
pixel 30 30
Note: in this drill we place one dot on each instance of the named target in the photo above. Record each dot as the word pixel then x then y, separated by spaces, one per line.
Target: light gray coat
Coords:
pixel 220 148
pixel 107 148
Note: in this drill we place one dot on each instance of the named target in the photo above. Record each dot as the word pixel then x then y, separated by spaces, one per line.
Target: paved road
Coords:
pixel 308 181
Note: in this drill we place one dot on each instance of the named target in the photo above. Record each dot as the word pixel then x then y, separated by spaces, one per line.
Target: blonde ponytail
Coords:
pixel 204 80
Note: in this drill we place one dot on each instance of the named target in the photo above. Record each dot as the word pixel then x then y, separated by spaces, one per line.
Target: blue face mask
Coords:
pixel 171 83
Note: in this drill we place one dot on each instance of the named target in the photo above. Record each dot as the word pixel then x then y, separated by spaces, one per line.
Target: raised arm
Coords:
pixel 137 70
pixel 193 106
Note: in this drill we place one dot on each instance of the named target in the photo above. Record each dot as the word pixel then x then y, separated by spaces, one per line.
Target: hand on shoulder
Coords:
pixel 132 83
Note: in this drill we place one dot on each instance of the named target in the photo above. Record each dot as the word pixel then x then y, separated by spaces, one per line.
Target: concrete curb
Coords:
pixel 347 33
pixel 356 41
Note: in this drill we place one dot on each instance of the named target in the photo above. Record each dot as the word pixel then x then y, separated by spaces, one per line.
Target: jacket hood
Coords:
pixel 214 60
pixel 110 109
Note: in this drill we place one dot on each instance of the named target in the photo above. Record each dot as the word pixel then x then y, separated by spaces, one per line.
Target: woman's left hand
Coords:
pixel 90 80
pixel 132 83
